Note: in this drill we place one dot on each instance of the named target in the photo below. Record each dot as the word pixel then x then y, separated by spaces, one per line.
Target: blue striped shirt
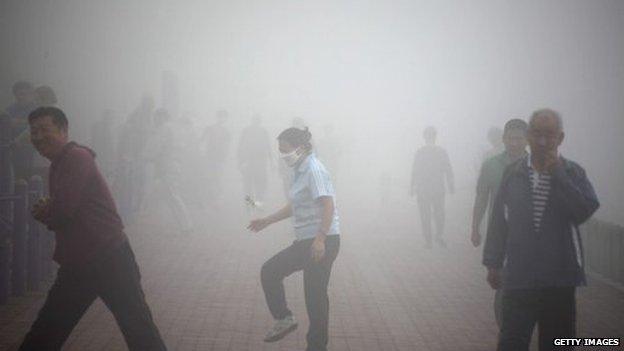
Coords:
pixel 310 182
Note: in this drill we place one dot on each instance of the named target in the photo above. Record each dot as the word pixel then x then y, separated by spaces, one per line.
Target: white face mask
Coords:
pixel 291 158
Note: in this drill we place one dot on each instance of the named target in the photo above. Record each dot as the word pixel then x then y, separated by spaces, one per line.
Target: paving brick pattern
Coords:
pixel 386 293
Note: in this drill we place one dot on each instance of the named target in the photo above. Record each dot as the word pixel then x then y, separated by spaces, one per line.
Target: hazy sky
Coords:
pixel 379 71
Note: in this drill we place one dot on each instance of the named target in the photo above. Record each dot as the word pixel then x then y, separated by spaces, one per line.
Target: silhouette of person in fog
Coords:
pixel 130 161
pixel 430 168
pixel 102 139
pixel 23 152
pixel 45 96
pixel 160 152
pixel 254 159
pixel 495 138
pixel 24 94
pixel 217 140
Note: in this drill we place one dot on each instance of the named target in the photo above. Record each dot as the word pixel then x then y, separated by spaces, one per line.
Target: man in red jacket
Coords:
pixel 92 250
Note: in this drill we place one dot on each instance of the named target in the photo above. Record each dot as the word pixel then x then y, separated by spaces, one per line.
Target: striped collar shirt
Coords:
pixel 540 193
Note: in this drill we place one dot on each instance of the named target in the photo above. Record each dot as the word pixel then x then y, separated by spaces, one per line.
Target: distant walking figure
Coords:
pixel 430 168
pixel 254 158
pixel 160 151
pixel 130 164
pixel 217 141
pixel 312 204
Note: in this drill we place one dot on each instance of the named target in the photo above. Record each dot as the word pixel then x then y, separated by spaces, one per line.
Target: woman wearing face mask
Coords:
pixel 315 219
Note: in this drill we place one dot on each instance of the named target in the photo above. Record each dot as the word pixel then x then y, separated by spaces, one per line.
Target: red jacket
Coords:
pixel 82 212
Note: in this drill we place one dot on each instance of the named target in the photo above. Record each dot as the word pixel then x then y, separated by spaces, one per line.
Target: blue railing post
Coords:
pixel 34 262
pixel 20 238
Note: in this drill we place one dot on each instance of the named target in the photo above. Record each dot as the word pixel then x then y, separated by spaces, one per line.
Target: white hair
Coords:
pixel 547 112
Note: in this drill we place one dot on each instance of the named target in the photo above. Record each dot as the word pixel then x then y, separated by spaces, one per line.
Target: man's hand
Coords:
pixel 318 249
pixel 475 237
pixel 551 160
pixel 41 210
pixel 494 278
pixel 257 225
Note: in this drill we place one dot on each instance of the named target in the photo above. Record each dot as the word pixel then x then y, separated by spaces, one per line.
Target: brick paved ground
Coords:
pixel 387 292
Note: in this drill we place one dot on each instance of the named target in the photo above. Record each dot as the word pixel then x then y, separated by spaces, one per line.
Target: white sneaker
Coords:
pixel 281 328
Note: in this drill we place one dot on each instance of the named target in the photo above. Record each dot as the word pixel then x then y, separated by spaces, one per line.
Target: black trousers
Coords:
pixel 115 278
pixel 553 309
pixel 431 205
pixel 294 258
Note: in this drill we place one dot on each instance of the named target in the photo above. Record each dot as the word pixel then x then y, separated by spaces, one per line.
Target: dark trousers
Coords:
pixel 553 309
pixel 498 307
pixel 294 258
pixel 431 205
pixel 115 278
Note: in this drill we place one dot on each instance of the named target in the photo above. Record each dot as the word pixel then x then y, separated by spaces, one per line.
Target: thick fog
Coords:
pixel 183 102
pixel 377 71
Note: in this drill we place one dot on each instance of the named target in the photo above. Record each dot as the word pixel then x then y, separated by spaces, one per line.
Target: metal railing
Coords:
pixel 25 244
pixel 604 249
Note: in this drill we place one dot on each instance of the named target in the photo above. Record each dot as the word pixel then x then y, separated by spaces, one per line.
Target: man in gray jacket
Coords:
pixel 533 236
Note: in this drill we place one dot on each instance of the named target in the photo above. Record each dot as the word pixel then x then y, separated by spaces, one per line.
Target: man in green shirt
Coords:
pixel 514 139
